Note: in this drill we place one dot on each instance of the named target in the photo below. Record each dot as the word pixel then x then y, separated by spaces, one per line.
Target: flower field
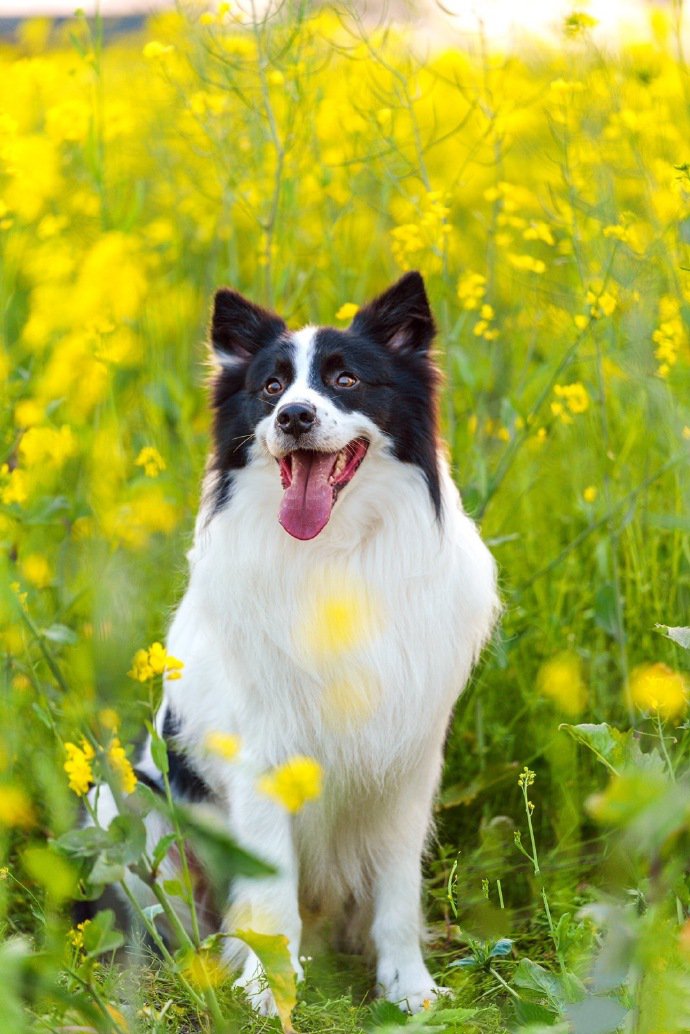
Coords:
pixel 307 157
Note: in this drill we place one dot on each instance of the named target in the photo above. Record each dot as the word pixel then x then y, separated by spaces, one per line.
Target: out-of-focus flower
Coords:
pixel 347 311
pixel 15 807
pixel 656 687
pixel 224 744
pixel 293 784
pixel 151 460
pixel 560 679
pixel 154 50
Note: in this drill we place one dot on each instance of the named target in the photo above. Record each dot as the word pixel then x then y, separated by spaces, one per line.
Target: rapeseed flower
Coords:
pixel 78 766
pixel 560 679
pixel 658 688
pixel 15 807
pixel 119 762
pixel 148 663
pixel 151 460
pixel 293 784
pixel 224 745
pixel 347 311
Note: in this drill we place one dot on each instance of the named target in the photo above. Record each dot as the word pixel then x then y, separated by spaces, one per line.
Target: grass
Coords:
pixel 545 196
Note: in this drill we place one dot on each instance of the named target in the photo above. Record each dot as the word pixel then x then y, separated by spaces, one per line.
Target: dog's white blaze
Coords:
pixel 303 354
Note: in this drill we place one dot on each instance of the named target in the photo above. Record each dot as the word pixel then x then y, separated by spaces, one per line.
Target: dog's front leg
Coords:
pixel 397 927
pixel 267 905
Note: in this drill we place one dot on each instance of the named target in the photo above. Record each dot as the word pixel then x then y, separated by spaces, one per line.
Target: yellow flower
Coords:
pixel 151 460
pixel 154 50
pixel 293 784
pixel 347 311
pixel 120 764
pixel 590 493
pixel 527 263
pixel 78 766
pixel 339 617
pixel 37 570
pixel 471 288
pixel 15 807
pixel 76 935
pixel 225 745
pixel 656 687
pixel 560 679
pixel 40 445
pixel 146 664
pixel 14 491
pixel 574 399
pixel 686 433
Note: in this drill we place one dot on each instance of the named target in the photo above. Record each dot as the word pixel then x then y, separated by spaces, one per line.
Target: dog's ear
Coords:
pixel 400 318
pixel 239 328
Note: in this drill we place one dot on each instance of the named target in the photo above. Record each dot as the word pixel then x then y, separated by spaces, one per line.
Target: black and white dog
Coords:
pixel 327 480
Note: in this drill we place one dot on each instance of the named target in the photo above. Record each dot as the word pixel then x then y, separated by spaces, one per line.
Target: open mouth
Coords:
pixel 311 482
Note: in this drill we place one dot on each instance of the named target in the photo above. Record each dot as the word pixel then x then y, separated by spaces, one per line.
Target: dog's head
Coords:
pixel 319 399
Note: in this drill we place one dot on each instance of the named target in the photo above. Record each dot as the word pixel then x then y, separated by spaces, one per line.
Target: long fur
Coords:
pixel 374 714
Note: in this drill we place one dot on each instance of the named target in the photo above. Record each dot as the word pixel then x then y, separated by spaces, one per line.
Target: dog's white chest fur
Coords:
pixel 351 648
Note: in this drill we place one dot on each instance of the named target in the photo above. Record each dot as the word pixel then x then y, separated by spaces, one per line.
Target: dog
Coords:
pixel 327 482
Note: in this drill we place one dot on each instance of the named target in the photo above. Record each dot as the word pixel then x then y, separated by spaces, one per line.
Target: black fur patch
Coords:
pixel 386 347
pixel 185 781
pixel 254 342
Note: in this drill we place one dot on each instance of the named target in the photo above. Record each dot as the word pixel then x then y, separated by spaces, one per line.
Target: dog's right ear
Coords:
pixel 239 328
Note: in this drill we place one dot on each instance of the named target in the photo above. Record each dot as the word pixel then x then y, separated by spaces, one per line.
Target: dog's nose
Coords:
pixel 296 418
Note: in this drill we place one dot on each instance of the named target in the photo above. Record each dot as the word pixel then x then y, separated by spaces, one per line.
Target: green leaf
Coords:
pixel 162 848
pixel 174 889
pixel 611 747
pixel 61 634
pixel 679 635
pixel 532 1012
pixel 127 835
pixel 100 937
pixel 151 911
pixel 533 977
pixel 106 871
pixel 159 752
pixel 83 843
pixel 274 955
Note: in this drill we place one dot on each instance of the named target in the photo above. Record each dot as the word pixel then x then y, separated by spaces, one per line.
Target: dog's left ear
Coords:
pixel 400 318
pixel 239 328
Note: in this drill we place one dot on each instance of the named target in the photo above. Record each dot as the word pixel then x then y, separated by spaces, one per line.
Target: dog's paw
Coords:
pixel 411 988
pixel 252 981
pixel 422 998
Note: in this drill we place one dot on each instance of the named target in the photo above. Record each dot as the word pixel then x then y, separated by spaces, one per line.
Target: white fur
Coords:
pixel 429 595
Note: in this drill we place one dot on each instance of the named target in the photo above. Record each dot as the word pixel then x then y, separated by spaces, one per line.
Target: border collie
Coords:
pixel 327 482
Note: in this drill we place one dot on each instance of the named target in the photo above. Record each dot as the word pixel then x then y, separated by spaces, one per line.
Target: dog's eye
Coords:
pixel 346 380
pixel 273 387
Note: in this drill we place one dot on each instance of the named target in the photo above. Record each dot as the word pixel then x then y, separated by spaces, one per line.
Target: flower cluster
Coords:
pixel 148 663
pixel 78 766
pixel 571 400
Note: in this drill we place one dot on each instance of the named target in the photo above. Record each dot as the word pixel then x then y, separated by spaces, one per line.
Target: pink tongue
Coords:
pixel 308 500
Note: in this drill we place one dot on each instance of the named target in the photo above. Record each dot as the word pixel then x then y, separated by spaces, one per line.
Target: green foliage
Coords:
pixel 544 194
